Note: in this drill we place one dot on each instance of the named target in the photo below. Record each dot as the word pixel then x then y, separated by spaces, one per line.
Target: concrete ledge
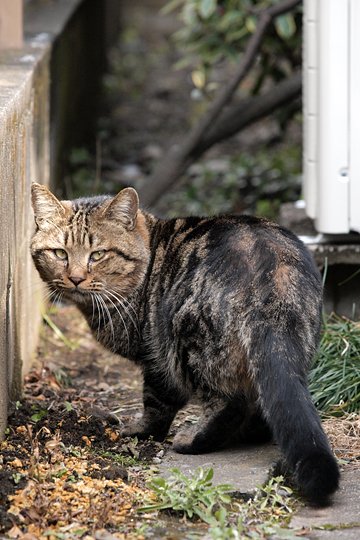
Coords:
pixel 24 112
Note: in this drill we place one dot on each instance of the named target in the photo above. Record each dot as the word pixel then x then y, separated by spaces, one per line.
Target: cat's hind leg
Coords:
pixel 255 430
pixel 219 425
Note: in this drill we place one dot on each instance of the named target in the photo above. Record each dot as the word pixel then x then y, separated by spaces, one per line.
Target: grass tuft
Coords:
pixel 334 380
pixel 192 496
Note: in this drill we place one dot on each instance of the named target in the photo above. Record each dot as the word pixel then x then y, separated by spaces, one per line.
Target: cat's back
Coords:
pixel 225 245
pixel 240 263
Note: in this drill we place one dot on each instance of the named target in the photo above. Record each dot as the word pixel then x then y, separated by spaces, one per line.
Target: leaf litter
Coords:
pixel 65 472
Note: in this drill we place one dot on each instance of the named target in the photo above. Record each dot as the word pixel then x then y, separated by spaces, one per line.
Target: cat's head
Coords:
pixel 89 246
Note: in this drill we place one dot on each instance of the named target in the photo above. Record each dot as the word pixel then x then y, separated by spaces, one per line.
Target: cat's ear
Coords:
pixel 45 205
pixel 124 207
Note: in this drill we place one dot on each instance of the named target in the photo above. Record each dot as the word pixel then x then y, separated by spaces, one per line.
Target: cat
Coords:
pixel 226 308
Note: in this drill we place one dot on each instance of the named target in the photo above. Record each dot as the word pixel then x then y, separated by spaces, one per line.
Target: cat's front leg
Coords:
pixel 161 403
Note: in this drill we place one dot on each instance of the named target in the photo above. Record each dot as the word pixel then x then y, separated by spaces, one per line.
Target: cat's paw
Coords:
pixel 141 431
pixel 134 429
pixel 186 442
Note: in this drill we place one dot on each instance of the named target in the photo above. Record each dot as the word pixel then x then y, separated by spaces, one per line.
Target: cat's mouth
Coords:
pixel 75 294
pixel 71 287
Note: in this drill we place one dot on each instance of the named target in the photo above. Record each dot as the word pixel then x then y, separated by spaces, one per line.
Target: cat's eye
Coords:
pixel 61 254
pixel 97 255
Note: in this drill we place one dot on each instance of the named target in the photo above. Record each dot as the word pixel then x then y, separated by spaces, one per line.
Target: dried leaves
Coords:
pixel 63 461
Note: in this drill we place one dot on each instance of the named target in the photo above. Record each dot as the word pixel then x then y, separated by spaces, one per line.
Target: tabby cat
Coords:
pixel 224 308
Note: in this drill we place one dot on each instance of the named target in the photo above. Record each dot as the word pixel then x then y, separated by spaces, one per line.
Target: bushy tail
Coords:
pixel 290 413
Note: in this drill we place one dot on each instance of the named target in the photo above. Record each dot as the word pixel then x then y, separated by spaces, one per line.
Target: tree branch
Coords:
pixel 169 169
pixel 250 110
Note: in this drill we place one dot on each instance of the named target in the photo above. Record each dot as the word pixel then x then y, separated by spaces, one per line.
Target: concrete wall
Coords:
pixel 24 155
pixel 33 120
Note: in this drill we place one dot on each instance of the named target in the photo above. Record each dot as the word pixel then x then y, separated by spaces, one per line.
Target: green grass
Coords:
pixel 334 380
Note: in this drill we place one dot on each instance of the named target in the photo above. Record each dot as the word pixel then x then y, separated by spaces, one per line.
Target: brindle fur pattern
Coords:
pixel 224 308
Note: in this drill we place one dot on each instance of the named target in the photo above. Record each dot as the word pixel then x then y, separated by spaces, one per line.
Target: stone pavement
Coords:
pixel 246 468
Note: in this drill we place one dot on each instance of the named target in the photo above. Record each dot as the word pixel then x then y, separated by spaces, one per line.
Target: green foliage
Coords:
pixel 192 496
pixel 121 459
pixel 64 380
pixel 256 183
pixel 265 515
pixel 335 377
pixel 17 477
pixel 68 406
pixel 214 30
pixel 38 414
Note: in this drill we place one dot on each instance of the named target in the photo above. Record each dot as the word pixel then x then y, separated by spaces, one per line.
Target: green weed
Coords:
pixel 192 496
pixel 17 477
pixel 121 459
pixel 255 183
pixel 265 515
pixel 38 414
pixel 64 380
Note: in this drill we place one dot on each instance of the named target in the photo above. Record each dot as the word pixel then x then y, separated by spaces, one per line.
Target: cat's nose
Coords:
pixel 76 280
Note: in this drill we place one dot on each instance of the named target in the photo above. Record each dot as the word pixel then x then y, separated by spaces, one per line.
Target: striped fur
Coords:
pixel 225 308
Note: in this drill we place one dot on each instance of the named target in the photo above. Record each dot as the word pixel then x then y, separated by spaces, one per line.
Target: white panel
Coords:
pixel 355 116
pixel 311 143
pixel 333 199
pixel 310 8
pixel 311 46
pixel 312 76
pixel 310 188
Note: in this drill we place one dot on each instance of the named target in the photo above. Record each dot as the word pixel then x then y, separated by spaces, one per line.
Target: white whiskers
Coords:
pixel 122 301
pixel 104 294
pixel 104 306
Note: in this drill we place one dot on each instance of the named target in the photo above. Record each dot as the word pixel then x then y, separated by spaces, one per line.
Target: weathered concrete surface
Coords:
pixel 343 515
pixel 24 89
pixel 243 467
